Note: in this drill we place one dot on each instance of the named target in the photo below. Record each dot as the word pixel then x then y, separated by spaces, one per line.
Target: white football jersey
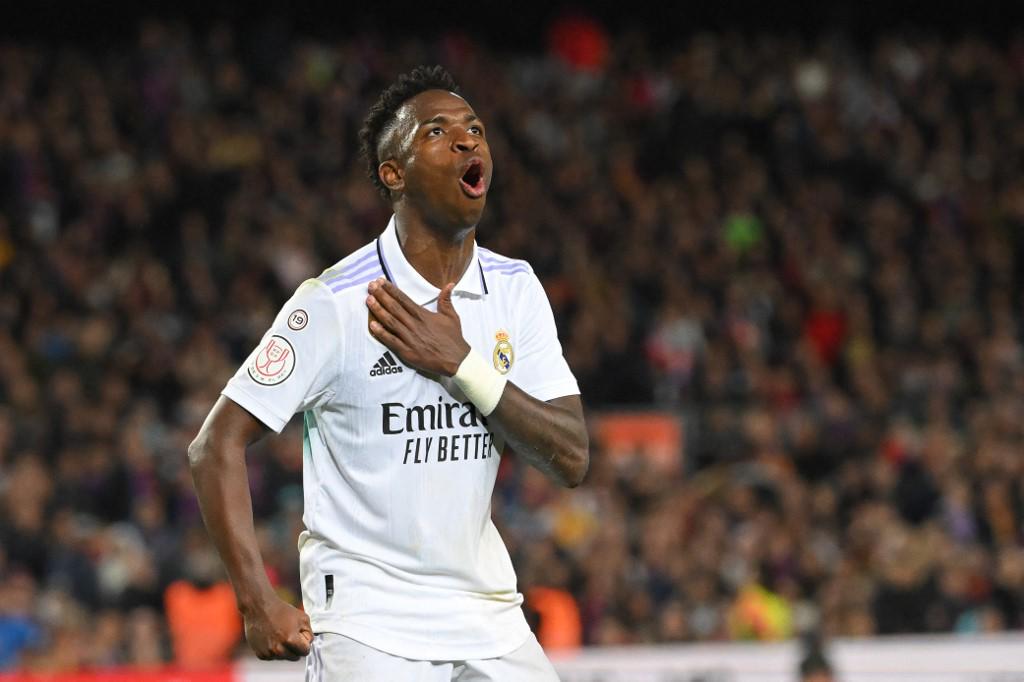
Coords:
pixel 399 550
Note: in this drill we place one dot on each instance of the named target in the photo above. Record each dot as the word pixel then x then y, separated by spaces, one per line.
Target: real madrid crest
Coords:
pixel 504 356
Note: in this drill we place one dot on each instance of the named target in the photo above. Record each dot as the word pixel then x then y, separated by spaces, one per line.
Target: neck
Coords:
pixel 440 254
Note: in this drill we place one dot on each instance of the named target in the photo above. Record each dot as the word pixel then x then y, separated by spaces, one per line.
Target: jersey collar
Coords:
pixel 398 270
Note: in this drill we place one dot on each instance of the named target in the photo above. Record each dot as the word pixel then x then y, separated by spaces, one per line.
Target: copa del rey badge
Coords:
pixel 273 363
pixel 504 356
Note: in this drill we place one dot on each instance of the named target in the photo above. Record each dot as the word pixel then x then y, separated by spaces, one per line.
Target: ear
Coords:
pixel 390 174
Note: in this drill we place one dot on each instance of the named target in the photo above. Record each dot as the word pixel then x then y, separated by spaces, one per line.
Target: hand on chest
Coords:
pixel 424 419
pixel 489 330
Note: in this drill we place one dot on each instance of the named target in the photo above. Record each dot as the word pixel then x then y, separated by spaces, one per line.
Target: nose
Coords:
pixel 464 142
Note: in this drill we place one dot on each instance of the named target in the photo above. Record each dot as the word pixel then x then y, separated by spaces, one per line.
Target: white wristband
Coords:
pixel 481 383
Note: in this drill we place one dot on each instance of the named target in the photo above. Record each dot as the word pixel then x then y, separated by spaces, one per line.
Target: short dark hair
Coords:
pixel 382 113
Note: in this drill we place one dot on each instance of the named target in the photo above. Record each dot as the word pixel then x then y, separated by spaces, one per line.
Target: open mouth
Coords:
pixel 472 181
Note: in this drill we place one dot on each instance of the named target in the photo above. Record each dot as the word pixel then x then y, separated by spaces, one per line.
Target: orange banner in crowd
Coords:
pixel 655 436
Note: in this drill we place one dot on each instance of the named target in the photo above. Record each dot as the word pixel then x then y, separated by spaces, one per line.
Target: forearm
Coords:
pixel 551 436
pixel 222 486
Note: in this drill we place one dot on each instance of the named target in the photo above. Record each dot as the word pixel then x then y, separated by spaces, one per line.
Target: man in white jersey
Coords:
pixel 416 361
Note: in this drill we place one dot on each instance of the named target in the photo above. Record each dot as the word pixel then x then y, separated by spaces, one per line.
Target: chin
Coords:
pixel 469 216
pixel 450 213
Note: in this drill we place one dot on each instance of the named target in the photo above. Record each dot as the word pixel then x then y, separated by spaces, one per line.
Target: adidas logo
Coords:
pixel 386 365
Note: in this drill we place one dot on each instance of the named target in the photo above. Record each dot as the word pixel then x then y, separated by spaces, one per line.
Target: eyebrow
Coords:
pixel 442 118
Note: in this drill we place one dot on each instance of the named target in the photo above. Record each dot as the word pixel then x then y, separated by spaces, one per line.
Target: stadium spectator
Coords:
pixel 202 617
pixel 810 250
pixel 19 630
pixel 816 668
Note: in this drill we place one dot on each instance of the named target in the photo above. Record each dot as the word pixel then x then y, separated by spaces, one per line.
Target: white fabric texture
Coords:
pixel 399 550
pixel 336 658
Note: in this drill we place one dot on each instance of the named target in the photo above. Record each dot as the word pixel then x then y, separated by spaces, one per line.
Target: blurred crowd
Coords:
pixel 812 251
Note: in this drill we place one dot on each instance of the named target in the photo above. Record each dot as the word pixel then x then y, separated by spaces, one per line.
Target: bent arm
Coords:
pixel 217 460
pixel 552 436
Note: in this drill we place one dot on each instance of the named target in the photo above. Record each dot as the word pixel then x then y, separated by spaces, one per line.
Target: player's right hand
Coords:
pixel 278 630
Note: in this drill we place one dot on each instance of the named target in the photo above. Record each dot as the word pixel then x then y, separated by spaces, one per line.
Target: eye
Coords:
pixel 476 130
pixel 436 131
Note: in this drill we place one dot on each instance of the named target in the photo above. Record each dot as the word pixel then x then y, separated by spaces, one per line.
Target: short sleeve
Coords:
pixel 294 366
pixel 540 367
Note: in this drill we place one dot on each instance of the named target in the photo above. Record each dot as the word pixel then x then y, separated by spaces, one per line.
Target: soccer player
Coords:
pixel 416 361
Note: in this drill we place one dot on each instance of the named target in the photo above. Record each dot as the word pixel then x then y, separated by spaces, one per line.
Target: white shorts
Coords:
pixel 337 658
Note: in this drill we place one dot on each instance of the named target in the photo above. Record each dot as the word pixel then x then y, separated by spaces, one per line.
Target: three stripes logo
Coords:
pixel 386 365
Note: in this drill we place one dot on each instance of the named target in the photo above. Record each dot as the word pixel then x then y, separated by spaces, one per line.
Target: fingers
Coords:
pixel 444 301
pixel 293 648
pixel 305 626
pixel 297 644
pixel 285 652
pixel 286 634
pixel 386 294
pixel 277 652
pixel 383 316
pixel 387 338
pixel 401 298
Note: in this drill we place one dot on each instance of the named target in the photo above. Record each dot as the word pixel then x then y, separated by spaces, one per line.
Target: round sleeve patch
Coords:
pixel 298 319
pixel 274 362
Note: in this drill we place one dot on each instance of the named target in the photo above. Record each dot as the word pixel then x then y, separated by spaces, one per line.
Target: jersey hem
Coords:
pixel 416 650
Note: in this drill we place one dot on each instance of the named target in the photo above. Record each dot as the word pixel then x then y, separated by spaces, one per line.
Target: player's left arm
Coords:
pixel 551 435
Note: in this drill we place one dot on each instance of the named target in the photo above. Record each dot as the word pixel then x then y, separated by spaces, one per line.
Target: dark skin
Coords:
pixel 551 435
pixel 274 628
pixel 437 138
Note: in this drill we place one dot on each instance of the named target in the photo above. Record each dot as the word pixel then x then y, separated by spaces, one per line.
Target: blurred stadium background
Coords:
pixel 785 248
